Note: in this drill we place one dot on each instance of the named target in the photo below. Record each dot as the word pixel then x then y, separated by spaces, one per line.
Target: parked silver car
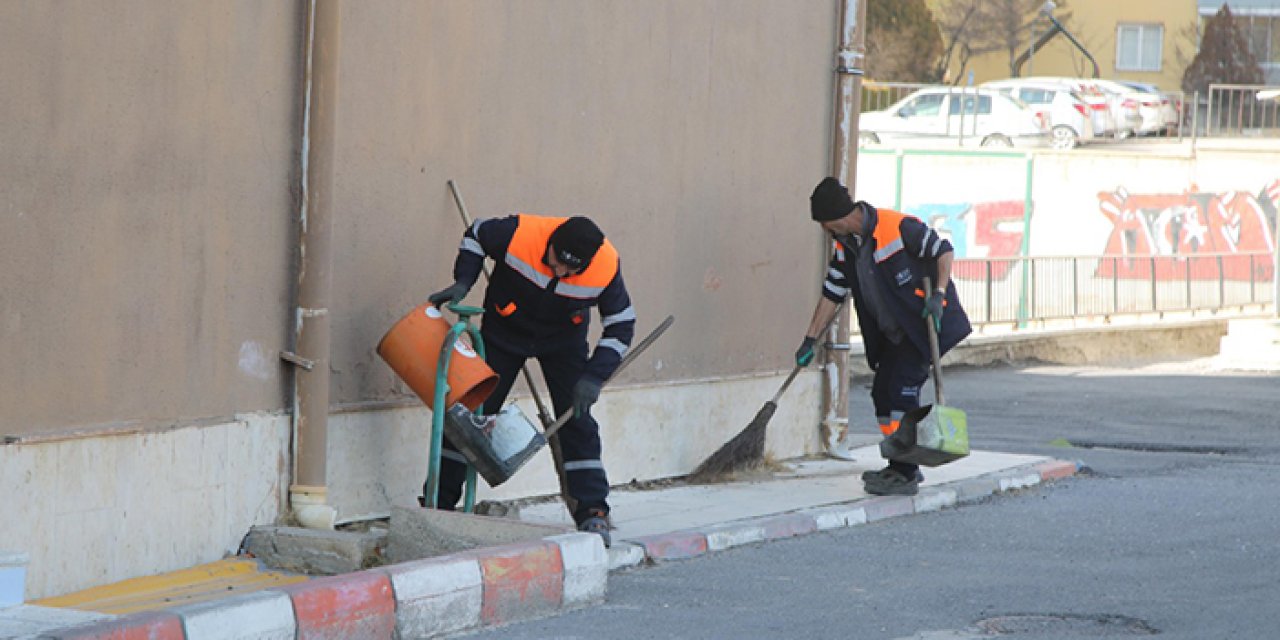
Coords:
pixel 951 115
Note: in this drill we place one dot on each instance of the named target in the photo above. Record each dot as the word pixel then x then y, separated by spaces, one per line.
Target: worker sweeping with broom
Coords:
pixel 548 273
pixel 883 258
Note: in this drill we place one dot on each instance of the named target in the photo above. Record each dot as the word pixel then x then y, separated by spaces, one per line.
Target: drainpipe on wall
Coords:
pixel 844 162
pixel 308 494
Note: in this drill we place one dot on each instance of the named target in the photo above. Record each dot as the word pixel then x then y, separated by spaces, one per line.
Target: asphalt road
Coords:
pixel 1173 529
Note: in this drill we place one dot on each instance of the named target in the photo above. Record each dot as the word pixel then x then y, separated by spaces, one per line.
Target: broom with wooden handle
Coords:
pixel 747 448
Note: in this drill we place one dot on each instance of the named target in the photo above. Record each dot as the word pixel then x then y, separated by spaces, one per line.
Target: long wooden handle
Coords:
pixel 544 414
pixel 934 357
pixel 632 354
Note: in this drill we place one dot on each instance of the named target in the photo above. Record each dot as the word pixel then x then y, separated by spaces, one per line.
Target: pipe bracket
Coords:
pixel 295 359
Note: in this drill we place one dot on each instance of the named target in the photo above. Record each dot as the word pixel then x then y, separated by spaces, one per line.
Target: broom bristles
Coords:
pixel 745 449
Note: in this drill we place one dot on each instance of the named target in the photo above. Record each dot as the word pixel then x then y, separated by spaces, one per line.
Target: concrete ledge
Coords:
pixel 314 552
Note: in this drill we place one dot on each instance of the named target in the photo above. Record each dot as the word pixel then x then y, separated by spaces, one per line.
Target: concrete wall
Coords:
pixel 145 210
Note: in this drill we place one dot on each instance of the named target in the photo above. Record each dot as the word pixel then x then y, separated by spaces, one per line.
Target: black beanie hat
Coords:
pixel 830 201
pixel 576 241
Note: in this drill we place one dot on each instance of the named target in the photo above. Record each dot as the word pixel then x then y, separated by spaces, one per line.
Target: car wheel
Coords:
pixel 1063 137
pixel 997 140
pixel 868 137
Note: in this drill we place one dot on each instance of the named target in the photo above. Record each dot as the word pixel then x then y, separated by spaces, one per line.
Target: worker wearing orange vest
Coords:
pixel 881 258
pixel 548 273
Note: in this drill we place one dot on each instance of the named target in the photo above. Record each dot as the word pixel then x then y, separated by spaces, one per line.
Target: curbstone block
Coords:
pixel 138 626
pixel 1056 469
pixel 934 500
pixel 262 615
pixel 354 605
pixel 625 555
pixel 586 568
pixel 788 525
pixel 677 545
pixel 888 507
pixel 436 596
pixel 726 536
pixel 975 488
pixel 1019 481
pixel 827 518
pixel 521 581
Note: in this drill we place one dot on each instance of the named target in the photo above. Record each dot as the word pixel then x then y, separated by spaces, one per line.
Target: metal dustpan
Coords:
pixel 498 445
pixel 933 434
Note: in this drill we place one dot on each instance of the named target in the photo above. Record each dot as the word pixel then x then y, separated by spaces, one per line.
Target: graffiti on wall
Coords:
pixel 979 230
pixel 1192 233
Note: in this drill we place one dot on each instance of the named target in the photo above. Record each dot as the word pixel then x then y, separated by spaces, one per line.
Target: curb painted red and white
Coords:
pixel 418 599
pixel 690 543
pixel 500 585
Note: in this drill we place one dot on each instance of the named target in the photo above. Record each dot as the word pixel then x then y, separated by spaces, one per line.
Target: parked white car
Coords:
pixel 1110 118
pixel 953 115
pixel 1167 106
pixel 1068 114
pixel 1146 106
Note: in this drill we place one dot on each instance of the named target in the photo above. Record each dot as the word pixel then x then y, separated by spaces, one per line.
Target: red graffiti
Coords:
pixel 997 230
pixel 1196 235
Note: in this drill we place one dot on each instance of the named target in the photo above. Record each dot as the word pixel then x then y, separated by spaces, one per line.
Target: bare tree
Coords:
pixel 973 28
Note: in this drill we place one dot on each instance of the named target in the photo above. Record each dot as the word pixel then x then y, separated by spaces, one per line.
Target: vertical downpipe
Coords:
pixel 844 164
pixel 308 494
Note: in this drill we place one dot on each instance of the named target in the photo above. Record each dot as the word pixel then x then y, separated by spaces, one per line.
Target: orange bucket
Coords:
pixel 412 347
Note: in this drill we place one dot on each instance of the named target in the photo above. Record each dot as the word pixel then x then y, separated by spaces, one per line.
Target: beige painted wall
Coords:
pixel 145 205
pixel 1093 23
pixel 148 206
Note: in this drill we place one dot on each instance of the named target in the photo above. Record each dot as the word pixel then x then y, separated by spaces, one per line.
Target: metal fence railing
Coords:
pixel 877 96
pixel 1019 292
pixel 1023 290
pixel 1242 110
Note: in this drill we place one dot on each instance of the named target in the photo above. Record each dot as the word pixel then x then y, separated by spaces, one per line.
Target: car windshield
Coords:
pixel 925 104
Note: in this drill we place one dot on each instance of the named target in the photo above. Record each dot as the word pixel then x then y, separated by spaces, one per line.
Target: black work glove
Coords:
pixel 933 306
pixel 804 355
pixel 452 293
pixel 585 394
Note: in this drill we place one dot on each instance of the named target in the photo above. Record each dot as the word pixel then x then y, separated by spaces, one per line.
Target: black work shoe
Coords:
pixel 890 482
pixel 867 475
pixel 596 523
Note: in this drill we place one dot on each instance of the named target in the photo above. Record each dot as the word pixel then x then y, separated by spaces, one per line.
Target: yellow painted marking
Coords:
pixel 206 582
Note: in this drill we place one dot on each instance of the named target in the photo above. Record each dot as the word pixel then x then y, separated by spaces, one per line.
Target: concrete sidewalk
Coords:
pixel 500 585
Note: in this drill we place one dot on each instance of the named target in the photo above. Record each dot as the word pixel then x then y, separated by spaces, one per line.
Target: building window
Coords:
pixel 1264 38
pixel 1139 47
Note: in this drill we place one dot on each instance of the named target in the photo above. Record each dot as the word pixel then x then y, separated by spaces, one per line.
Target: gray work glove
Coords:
pixel 452 293
pixel 804 355
pixel 933 306
pixel 585 394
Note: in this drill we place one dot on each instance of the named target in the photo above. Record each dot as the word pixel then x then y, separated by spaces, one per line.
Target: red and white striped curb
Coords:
pixel 690 543
pixel 422 598
pixel 499 585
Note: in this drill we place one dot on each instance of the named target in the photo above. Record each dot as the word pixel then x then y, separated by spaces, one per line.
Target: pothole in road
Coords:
pixel 1088 626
